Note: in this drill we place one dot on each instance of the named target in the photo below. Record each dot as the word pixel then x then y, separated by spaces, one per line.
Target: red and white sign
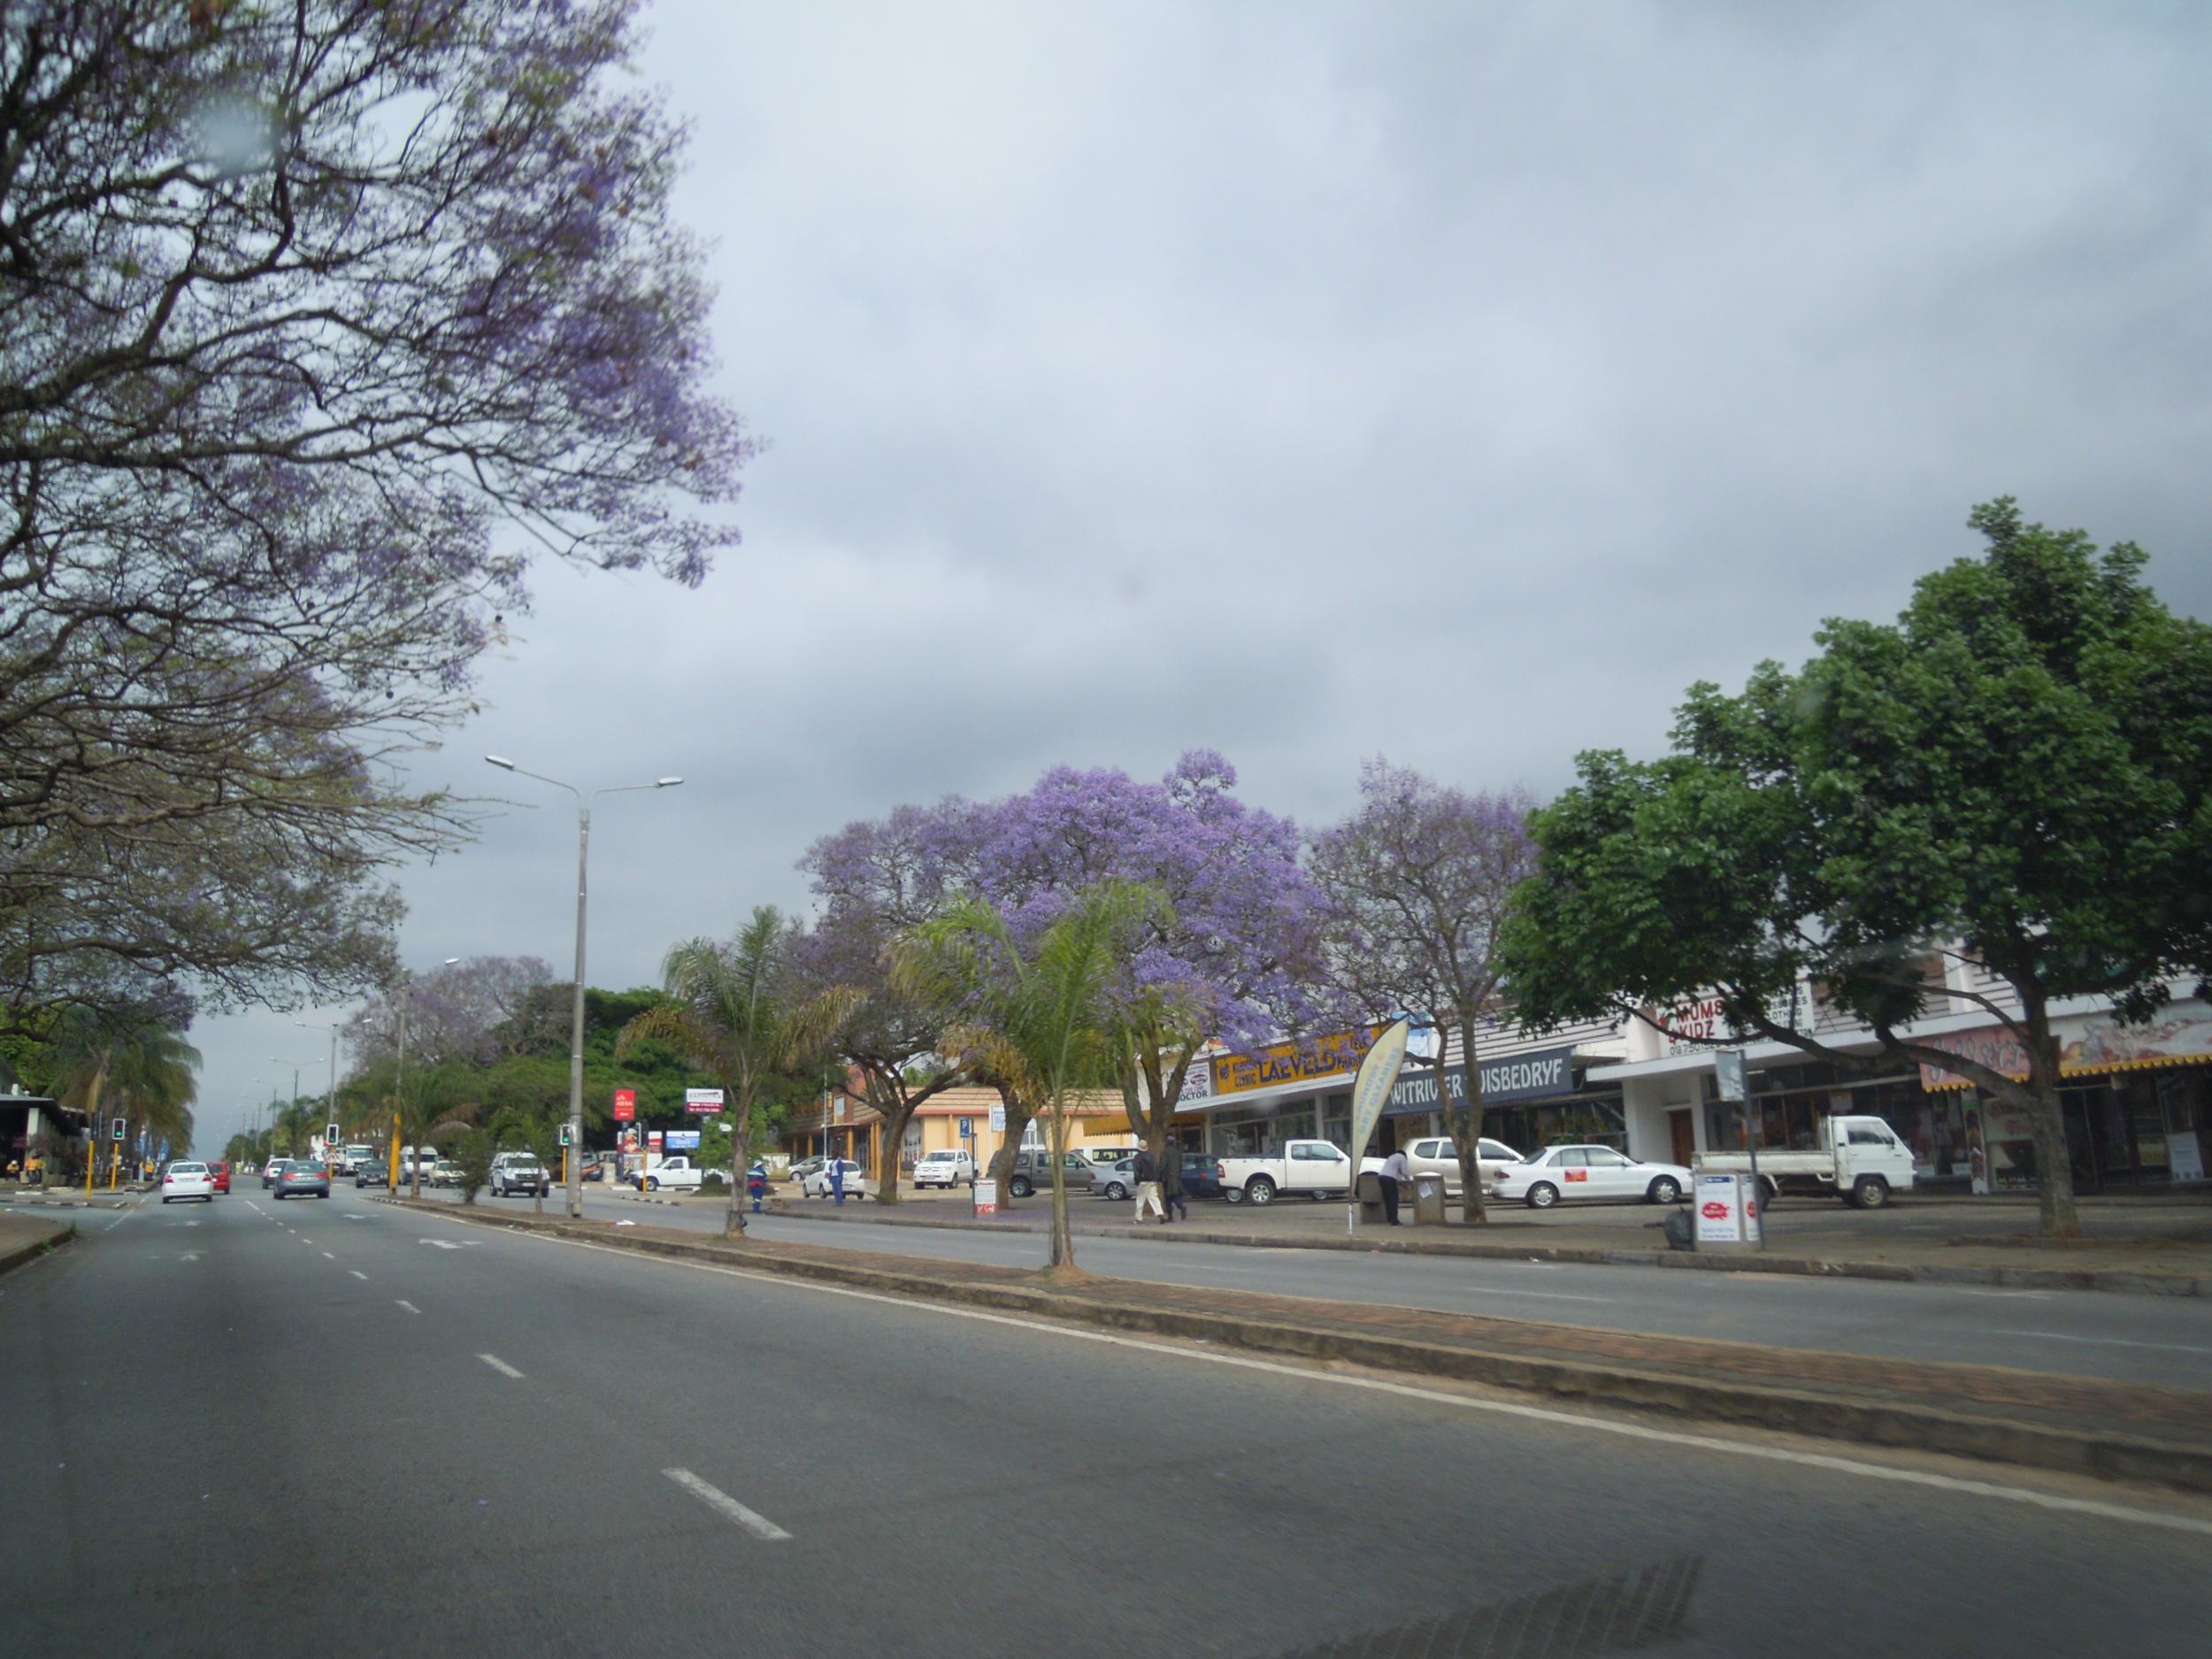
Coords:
pixel 652 1137
pixel 1727 1210
pixel 986 1197
pixel 624 1105
pixel 702 1102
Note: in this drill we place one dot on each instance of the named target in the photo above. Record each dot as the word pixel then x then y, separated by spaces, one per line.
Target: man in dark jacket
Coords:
pixel 1173 1206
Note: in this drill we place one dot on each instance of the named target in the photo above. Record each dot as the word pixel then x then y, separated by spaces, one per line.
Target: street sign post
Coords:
pixel 986 1198
pixel 624 1105
pixel 704 1103
pixel 1731 1085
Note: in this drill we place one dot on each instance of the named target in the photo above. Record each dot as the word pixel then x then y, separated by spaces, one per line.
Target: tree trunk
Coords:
pixel 1063 1259
pixel 1466 1120
pixel 740 1162
pixel 896 1113
pixel 1018 1119
pixel 2055 1169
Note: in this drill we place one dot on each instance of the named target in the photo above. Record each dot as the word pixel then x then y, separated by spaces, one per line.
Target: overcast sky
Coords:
pixel 1455 382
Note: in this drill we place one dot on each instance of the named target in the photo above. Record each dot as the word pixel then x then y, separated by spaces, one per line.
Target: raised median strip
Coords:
pixel 2080 1425
pixel 25 1239
pixel 1525 1250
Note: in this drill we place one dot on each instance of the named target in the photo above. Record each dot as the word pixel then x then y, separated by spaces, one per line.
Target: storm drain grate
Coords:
pixel 1598 1616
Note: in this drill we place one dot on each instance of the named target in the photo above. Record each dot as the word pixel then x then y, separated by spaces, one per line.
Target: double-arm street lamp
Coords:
pixel 576 1013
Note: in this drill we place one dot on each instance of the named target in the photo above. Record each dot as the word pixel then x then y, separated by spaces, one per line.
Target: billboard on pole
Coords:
pixel 704 1103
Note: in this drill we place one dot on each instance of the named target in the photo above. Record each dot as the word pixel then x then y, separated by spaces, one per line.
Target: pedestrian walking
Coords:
pixel 1146 1174
pixel 757 1185
pixel 837 1180
pixel 1173 1207
pixel 1395 1169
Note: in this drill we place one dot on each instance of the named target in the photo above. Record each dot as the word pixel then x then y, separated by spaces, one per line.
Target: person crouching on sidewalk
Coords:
pixel 1395 1169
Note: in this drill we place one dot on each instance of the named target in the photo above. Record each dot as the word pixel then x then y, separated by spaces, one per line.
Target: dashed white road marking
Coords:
pixel 500 1366
pixel 410 1307
pixel 759 1525
pixel 327 1256
pixel 2023 1495
pixel 358 1274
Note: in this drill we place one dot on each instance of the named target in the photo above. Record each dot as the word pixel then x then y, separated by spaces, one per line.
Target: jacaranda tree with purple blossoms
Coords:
pixel 1417 880
pixel 317 323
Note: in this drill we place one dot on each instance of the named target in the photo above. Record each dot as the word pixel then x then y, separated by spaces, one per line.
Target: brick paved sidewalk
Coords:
pixel 1982 1410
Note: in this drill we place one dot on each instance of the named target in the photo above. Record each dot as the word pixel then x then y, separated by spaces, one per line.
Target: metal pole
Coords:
pixel 1758 1194
pixel 574 1183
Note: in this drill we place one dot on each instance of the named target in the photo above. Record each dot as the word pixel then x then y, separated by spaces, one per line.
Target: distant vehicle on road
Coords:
pixel 943 1169
pixel 1860 1160
pixel 372 1173
pixel 443 1172
pixel 187 1181
pixel 1554 1174
pixel 218 1172
pixel 270 1171
pixel 515 1173
pixel 303 1180
pixel 1316 1169
pixel 593 1169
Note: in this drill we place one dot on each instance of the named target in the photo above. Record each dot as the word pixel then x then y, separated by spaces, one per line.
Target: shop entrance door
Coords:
pixel 1683 1137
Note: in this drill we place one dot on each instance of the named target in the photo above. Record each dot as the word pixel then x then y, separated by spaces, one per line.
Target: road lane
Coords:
pixel 248 1428
pixel 2154 1339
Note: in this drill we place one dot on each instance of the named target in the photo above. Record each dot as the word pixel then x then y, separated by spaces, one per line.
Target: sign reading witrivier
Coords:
pixel 1509 1078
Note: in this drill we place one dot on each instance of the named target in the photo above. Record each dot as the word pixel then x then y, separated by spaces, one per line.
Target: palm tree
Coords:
pixel 736 1013
pixel 1040 1014
pixel 129 1057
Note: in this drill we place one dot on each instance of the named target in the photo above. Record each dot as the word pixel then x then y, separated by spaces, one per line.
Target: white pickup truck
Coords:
pixel 1860 1160
pixel 1318 1169
pixel 678 1174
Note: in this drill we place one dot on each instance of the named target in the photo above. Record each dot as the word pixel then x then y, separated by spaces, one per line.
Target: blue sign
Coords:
pixel 967 1128
pixel 681 1139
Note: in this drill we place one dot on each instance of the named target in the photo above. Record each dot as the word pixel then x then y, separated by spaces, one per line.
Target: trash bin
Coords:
pixel 1371 1205
pixel 1428 1200
pixel 1676 1225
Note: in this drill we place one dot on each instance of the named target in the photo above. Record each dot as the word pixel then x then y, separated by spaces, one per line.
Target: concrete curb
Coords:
pixel 2108 1279
pixel 27 1250
pixel 1828 1416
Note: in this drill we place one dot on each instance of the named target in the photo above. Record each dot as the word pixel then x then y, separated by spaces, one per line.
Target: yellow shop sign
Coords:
pixel 1291 1062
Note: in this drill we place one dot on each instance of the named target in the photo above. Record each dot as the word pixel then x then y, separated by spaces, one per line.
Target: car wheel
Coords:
pixel 1543 1195
pixel 652 1183
pixel 1869 1191
pixel 1233 1194
pixel 1115 1189
pixel 1019 1187
pixel 164 1198
pixel 1665 1190
pixel 1262 1191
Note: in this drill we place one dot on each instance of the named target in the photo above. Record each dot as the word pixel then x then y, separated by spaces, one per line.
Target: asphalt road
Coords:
pixel 2088 1333
pixel 337 1427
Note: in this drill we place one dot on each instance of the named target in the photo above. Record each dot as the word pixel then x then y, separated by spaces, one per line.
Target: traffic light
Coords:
pixel 568 1135
pixel 330 1137
pixel 115 1130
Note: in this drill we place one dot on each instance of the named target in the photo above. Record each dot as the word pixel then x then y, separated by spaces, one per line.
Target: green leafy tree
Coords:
pixel 739 1011
pixel 2015 776
pixel 1046 1014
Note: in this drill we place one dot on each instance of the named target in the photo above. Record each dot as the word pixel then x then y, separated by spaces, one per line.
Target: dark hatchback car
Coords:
pixel 301 1179
pixel 371 1173
pixel 1202 1175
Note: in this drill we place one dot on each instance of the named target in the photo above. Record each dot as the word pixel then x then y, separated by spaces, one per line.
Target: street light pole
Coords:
pixel 575 1182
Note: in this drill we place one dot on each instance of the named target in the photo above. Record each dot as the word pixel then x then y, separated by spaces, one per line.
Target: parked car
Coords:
pixel 1201 1176
pixel 303 1180
pixel 186 1180
pixel 218 1172
pixel 373 1172
pixel 1118 1179
pixel 678 1174
pixel 270 1171
pixel 593 1169
pixel 1436 1156
pixel 1318 1169
pixel 1032 1170
pixel 943 1169
pixel 515 1173
pixel 816 1182
pixel 803 1168
pixel 1547 1176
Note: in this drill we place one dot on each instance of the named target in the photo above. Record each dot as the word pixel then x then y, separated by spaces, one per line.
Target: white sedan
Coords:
pixel 1439 1157
pixel 1545 1178
pixel 187 1181
pixel 816 1183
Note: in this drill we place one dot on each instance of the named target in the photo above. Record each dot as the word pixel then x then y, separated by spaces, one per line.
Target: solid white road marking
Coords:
pixel 499 1365
pixel 759 1525
pixel 358 1274
pixel 2010 1295
pixel 442 1243
pixel 410 1307
pixel 1499 1408
pixel 2105 1342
